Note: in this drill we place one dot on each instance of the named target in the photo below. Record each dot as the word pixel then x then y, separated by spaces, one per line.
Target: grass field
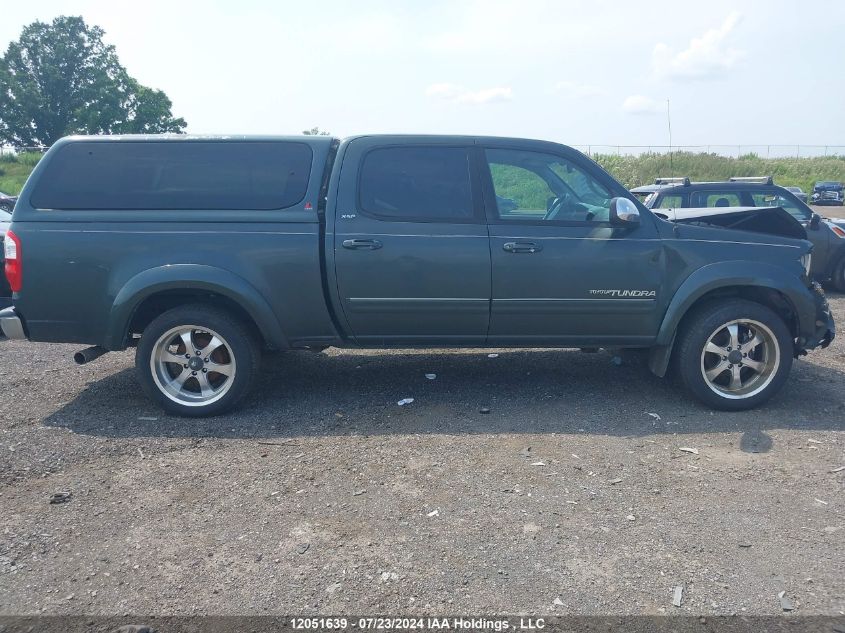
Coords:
pixel 633 171
pixel 14 170
pixel 629 170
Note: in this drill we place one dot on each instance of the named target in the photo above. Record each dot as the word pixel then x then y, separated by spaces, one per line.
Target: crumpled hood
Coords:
pixel 769 220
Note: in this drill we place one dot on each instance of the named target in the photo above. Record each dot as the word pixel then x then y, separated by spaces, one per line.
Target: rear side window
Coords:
pixel 176 175
pixel 416 183
pixel 700 199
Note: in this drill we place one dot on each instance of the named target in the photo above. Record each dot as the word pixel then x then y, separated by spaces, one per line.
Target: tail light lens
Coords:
pixel 12 253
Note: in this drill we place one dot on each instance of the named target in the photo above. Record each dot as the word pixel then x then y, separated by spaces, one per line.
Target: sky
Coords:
pixel 583 73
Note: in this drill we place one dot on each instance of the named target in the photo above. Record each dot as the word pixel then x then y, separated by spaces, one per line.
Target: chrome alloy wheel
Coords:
pixel 193 366
pixel 740 359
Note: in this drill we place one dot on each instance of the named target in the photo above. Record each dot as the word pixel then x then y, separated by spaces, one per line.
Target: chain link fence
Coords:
pixel 733 151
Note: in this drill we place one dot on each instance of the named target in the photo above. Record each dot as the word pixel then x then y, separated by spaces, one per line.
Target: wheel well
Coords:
pixel 772 299
pixel 161 302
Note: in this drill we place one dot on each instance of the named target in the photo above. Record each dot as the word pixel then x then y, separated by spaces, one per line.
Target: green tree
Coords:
pixel 315 131
pixel 61 78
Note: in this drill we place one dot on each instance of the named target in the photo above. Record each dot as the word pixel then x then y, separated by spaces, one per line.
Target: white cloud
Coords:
pixel 640 104
pixel 581 91
pixel 459 94
pixel 706 57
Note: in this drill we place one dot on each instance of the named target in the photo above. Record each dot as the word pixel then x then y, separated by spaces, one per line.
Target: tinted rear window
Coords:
pixel 417 183
pixel 174 175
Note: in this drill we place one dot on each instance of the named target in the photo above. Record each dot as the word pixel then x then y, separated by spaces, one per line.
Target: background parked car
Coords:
pixel 828 192
pixel 7 202
pixel 797 191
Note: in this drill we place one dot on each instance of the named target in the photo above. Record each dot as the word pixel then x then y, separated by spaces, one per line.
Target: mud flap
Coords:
pixel 659 357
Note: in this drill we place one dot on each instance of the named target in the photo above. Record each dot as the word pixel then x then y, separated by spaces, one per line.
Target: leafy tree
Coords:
pixel 315 131
pixel 61 78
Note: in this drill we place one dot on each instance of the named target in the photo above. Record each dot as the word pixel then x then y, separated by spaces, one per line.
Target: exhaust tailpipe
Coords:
pixel 88 354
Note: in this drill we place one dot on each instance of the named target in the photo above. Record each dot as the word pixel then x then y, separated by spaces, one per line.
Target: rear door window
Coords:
pixel 538 187
pixel 700 199
pixel 416 183
pixel 175 175
pixel 670 201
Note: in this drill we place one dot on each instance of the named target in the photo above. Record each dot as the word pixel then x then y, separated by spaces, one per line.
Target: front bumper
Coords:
pixel 11 324
pixel 825 328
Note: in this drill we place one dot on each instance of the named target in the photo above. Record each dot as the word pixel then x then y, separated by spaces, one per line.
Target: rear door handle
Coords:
pixel 522 247
pixel 362 245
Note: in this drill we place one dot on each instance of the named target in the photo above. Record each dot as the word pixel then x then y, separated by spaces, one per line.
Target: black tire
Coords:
pixel 710 323
pixel 838 276
pixel 239 354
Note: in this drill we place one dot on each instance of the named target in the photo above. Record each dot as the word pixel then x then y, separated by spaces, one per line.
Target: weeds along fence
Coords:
pixel 632 165
pixel 729 151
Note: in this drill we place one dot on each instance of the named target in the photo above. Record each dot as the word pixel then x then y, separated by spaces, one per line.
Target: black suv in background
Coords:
pixel 827 235
pixel 828 192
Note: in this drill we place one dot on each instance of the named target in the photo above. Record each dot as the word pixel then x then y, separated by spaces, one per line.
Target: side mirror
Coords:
pixel 815 221
pixel 623 212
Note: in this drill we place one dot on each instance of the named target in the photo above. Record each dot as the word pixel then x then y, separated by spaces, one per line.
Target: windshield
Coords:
pixel 792 206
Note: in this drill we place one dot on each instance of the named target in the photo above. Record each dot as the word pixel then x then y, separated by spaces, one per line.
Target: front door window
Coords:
pixel 541 187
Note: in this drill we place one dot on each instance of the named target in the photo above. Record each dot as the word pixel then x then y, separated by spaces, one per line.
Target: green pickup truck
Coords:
pixel 204 251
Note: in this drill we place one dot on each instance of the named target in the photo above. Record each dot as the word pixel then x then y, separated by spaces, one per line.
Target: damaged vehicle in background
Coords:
pixel 827 235
pixel 828 192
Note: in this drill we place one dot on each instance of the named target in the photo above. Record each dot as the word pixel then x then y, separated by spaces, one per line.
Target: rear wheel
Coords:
pixel 196 360
pixel 734 355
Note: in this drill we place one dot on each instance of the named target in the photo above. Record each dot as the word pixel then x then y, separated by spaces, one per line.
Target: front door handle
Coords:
pixel 362 245
pixel 522 247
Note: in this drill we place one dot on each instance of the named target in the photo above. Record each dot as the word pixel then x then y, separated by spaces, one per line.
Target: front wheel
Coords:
pixel 734 355
pixel 196 360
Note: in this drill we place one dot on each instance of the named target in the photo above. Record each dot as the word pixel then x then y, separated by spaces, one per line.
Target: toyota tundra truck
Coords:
pixel 202 252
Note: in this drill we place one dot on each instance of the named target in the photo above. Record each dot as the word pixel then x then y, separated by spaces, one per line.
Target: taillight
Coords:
pixel 12 252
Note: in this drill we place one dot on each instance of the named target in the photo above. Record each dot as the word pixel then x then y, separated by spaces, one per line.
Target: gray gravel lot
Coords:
pixel 322 495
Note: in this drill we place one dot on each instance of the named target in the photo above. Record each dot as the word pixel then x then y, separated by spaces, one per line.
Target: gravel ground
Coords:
pixel 829 211
pixel 322 495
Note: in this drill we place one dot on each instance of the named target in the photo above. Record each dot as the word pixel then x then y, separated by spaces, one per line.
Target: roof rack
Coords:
pixel 763 180
pixel 680 180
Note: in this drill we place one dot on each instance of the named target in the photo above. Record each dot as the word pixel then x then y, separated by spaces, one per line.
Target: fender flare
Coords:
pixel 190 277
pixel 725 275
